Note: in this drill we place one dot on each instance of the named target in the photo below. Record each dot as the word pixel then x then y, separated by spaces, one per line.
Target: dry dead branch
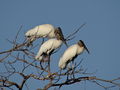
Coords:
pixel 20 58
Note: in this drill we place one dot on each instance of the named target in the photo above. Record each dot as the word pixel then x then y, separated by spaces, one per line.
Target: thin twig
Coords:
pixel 75 31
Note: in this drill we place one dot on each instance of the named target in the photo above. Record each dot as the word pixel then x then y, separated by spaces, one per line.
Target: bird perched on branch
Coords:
pixel 50 45
pixel 71 53
pixel 41 31
pixel 44 30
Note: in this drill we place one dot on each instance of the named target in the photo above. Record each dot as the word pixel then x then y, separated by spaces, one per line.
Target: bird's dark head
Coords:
pixel 82 44
pixel 59 35
pixel 57 32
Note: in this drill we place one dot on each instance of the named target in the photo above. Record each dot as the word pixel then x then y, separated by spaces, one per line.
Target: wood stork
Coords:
pixel 71 53
pixel 50 45
pixel 44 30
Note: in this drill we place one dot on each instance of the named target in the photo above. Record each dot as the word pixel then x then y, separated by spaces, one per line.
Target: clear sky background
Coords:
pixel 101 33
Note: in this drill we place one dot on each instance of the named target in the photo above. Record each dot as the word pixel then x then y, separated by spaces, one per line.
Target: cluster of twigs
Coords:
pixel 20 58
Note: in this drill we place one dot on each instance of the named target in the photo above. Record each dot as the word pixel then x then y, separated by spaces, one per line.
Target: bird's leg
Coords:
pixel 43 68
pixel 58 76
pixel 45 58
pixel 44 61
pixel 67 76
pixel 30 41
pixel 49 65
pixel 41 65
pixel 69 69
pixel 73 69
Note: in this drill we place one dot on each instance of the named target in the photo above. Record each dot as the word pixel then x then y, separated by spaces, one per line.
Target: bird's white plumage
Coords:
pixel 44 30
pixel 69 54
pixel 47 47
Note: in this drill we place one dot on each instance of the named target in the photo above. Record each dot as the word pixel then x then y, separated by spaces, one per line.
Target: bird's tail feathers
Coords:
pixel 62 65
pixel 39 58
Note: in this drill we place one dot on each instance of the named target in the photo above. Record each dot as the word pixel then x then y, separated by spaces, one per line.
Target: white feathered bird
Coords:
pixel 44 30
pixel 50 45
pixel 71 53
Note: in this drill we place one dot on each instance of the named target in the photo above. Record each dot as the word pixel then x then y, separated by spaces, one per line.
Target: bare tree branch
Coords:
pixel 42 71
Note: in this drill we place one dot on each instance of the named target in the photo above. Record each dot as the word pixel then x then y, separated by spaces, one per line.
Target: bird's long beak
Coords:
pixel 65 43
pixel 85 46
pixel 86 49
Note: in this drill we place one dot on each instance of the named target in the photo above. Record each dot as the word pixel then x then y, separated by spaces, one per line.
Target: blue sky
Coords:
pixel 101 33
